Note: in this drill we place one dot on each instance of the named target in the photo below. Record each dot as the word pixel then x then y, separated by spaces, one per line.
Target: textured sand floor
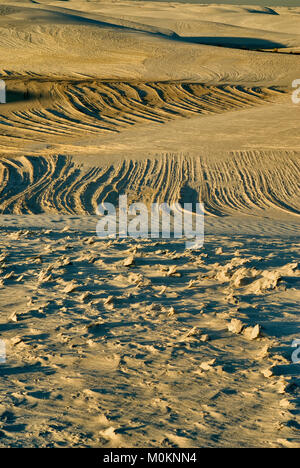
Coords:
pixel 166 102
pixel 106 355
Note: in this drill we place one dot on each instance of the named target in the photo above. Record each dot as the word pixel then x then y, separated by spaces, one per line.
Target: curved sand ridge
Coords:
pixel 71 109
pixel 229 186
pixel 145 343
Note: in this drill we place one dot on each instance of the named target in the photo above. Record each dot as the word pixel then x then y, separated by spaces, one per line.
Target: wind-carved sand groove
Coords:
pixel 234 184
pixel 47 110
pixel 62 109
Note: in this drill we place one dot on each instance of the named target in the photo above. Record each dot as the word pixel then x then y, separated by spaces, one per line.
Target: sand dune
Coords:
pixel 143 343
pixel 234 185
pixel 60 42
pixel 58 114
pixel 71 109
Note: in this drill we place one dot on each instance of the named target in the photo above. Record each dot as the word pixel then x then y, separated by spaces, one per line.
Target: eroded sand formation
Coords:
pixel 134 343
